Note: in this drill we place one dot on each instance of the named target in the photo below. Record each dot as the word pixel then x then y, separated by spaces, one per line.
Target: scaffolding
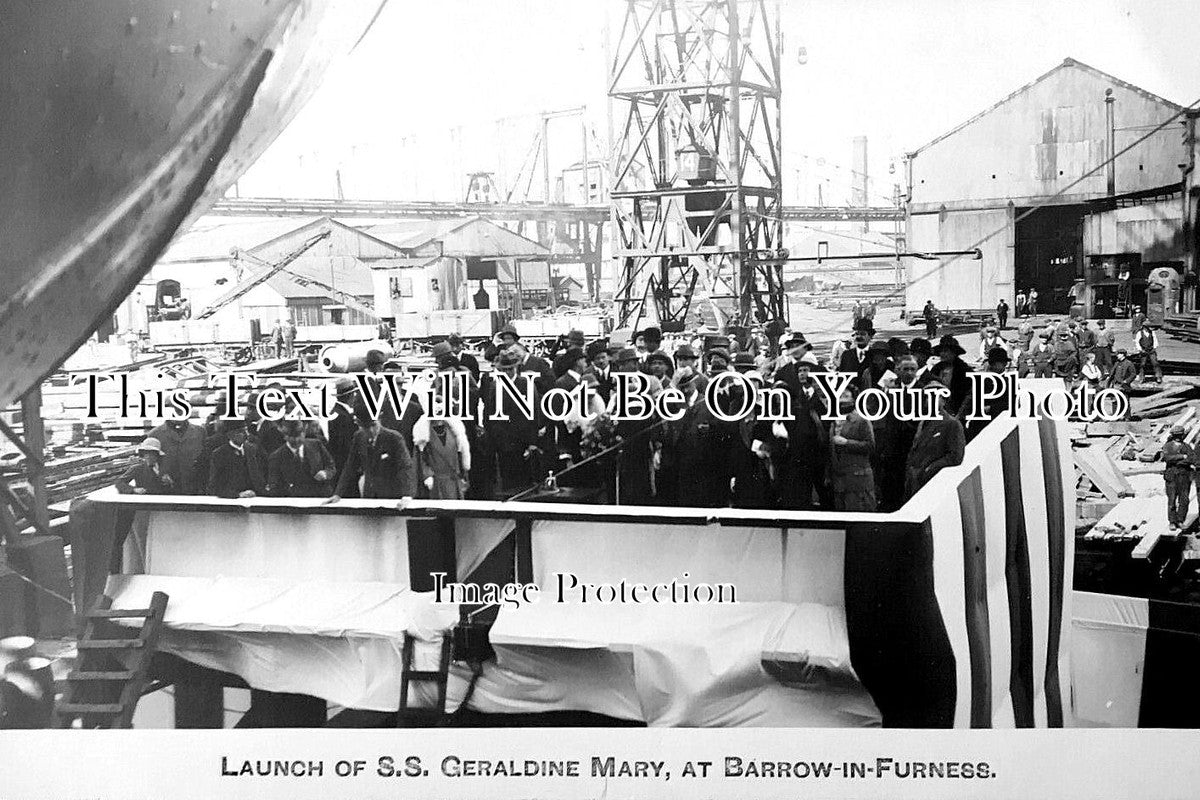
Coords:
pixel 697 202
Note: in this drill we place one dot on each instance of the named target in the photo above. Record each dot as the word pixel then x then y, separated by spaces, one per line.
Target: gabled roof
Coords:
pixel 1068 63
pixel 411 234
pixel 323 222
pixel 558 281
pixel 212 238
pixel 347 274
pixel 469 237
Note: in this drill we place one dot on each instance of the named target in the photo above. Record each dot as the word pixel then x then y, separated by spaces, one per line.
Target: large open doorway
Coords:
pixel 1049 254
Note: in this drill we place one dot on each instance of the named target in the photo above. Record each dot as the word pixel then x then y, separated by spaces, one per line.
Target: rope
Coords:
pixel 41 588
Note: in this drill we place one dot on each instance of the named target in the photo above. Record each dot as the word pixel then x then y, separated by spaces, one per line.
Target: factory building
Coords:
pixel 455 265
pixel 1045 146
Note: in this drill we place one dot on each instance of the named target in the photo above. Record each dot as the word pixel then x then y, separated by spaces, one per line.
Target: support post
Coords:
pixel 34 434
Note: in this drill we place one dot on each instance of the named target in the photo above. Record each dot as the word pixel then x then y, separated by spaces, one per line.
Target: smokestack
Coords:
pixel 858 181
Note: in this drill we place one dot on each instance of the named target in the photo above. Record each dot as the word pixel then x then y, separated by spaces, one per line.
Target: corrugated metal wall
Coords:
pixel 1040 141
pixel 961 283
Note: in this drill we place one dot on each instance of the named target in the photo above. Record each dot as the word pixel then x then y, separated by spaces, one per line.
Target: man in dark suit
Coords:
pixel 598 365
pixel 938 443
pixel 857 359
pixel 342 424
pixel 379 456
pixel 794 348
pixel 301 467
pixel 402 422
pixel 807 444
pixel 238 468
pixel 699 449
pixel 519 443
pixel 574 362
pixel 893 441
pixel 464 358
pixel 537 366
pixel 574 340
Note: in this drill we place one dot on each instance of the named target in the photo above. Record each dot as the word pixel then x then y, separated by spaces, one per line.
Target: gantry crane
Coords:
pixel 697 201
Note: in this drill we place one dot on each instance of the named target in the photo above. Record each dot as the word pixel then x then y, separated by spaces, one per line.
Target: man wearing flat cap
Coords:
pixel 685 356
pixel 1177 474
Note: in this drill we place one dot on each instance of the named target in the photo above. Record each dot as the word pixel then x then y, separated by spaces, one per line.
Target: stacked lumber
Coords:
pixel 1099 485
pixel 75 470
pixel 1142 516
pixel 1171 399
pixel 1183 326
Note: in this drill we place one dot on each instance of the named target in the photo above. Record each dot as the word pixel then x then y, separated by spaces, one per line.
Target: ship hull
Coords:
pixel 123 122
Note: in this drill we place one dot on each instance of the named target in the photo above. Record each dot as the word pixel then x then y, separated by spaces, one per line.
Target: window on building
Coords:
pixel 306 313
pixel 401 287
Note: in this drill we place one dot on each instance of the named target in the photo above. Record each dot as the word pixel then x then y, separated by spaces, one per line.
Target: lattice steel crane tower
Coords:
pixel 697 202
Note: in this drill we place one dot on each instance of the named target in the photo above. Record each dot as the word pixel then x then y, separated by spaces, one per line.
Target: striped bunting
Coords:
pixel 1003 551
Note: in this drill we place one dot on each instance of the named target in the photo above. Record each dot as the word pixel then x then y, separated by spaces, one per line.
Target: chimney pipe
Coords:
pixel 1109 102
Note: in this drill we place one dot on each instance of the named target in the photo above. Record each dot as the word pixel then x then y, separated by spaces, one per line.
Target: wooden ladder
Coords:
pixel 114 660
pixel 439 677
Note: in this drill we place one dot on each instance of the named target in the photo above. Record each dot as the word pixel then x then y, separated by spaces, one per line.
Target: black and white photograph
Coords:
pixel 599 398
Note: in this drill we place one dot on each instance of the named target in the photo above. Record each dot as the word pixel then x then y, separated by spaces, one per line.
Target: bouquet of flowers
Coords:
pixel 600 436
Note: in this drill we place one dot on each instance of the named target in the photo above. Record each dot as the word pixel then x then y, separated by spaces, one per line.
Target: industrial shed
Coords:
pixel 1044 146
pixel 449 262
pixel 328 284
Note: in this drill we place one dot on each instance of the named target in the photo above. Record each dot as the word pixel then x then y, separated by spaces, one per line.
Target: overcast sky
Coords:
pixel 440 89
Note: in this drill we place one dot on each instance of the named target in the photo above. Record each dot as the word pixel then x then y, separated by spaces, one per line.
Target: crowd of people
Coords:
pixel 699 460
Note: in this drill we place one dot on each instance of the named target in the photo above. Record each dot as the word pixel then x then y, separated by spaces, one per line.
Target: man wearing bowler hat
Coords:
pixel 238 468
pixel 856 359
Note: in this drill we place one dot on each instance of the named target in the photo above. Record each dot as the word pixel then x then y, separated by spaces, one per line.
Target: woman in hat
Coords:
pixel 851 450
pixel 146 476
pixel 922 351
pixel 443 454
pixel 951 371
